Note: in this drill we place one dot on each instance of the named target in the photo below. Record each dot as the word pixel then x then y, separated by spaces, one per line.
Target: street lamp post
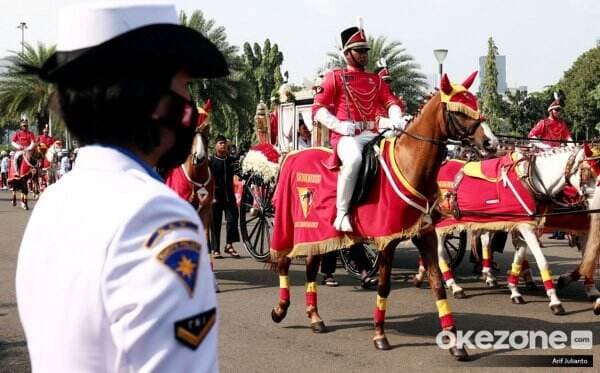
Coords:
pixel 22 26
pixel 440 56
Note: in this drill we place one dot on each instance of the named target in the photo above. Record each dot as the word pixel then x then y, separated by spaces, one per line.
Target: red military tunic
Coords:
pixel 23 137
pixel 551 129
pixel 45 139
pixel 366 99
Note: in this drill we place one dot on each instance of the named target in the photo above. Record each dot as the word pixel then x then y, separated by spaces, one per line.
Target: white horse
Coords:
pixel 546 174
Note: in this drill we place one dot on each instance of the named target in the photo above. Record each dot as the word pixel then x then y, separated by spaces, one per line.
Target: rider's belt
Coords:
pixel 368 125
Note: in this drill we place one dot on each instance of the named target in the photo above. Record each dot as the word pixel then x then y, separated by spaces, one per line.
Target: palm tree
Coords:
pixel 232 96
pixel 24 93
pixel 407 80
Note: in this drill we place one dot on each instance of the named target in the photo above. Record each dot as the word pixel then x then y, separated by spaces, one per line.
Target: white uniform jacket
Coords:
pixel 113 274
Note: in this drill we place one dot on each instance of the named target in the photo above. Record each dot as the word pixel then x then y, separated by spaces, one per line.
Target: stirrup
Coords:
pixel 342 223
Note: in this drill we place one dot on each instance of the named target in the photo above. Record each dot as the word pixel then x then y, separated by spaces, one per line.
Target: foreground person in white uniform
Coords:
pixel 113 272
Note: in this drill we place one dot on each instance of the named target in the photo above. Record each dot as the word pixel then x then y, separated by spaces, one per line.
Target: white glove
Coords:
pixel 344 128
pixel 397 125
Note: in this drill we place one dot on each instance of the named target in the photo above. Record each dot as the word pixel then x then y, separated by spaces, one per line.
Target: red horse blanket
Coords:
pixel 491 187
pixel 176 180
pixel 305 209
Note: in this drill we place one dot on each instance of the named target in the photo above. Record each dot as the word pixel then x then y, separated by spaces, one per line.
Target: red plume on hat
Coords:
pixel 555 104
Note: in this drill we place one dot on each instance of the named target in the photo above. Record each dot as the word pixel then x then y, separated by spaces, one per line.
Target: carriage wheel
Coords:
pixel 372 258
pixel 256 217
pixel 455 246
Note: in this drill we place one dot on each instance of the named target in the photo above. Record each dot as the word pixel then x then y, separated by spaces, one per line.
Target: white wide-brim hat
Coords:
pixel 108 39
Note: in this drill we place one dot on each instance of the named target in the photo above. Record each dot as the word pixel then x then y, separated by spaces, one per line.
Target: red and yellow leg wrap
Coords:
pixel 379 314
pixel 547 278
pixel 445 314
pixel 311 294
pixel 446 271
pixel 513 277
pixel 485 253
pixel 284 288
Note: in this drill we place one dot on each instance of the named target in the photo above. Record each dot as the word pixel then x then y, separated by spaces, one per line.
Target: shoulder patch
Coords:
pixel 183 258
pixel 160 232
pixel 191 331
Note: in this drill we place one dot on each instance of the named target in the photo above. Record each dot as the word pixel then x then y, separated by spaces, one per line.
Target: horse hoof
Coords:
pixel 597 309
pixel 459 294
pixel 531 286
pixel 460 354
pixel 318 327
pixel 382 344
pixel 518 300
pixel 277 318
pixel 557 309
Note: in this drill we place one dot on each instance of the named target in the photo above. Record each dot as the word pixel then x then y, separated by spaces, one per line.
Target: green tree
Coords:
pixel 578 86
pixel 23 93
pixel 523 109
pixel 491 102
pixel 232 96
pixel 263 68
pixel 407 80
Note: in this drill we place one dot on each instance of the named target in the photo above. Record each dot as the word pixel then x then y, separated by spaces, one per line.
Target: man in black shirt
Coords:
pixel 223 167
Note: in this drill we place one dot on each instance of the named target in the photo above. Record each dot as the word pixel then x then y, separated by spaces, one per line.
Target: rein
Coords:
pixel 525 138
pixel 451 129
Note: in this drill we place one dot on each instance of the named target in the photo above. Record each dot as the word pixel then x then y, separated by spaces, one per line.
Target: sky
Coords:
pixel 540 38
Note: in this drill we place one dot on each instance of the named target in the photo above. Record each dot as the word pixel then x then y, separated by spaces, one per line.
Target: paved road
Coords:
pixel 251 342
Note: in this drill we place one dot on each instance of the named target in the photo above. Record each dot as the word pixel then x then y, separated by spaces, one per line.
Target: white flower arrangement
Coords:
pixel 256 162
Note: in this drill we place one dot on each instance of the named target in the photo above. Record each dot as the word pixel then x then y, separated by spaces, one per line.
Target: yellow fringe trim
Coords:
pixel 337 243
pixel 284 282
pixel 462 108
pixel 443 307
pixel 491 226
pixel 381 303
pixel 311 287
pixel 485 252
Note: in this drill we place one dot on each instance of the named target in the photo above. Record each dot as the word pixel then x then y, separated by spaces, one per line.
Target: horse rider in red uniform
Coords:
pixel 22 140
pixel 348 102
pixel 44 138
pixel 551 128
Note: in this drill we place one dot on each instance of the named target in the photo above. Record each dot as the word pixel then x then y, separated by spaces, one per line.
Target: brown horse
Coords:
pixel 416 155
pixel 192 180
pixel 28 169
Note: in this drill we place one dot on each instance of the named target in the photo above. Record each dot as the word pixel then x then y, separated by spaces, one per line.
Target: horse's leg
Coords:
pixel 280 311
pixel 386 258
pixel 447 273
pixel 527 276
pixel 486 269
pixel 312 311
pixel 516 268
pixel 427 246
pixel 420 276
pixel 14 194
pixel 532 241
pixel 588 282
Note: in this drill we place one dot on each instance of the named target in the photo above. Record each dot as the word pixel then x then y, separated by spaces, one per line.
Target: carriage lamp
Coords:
pixel 440 56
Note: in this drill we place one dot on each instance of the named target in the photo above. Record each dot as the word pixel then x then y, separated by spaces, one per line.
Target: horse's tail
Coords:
pixel 592 249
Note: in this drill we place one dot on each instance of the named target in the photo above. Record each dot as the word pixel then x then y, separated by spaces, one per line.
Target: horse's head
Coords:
pixel 463 119
pixel 199 151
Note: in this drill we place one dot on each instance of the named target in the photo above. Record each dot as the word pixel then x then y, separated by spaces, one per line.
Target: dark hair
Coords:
pixel 220 138
pixel 114 112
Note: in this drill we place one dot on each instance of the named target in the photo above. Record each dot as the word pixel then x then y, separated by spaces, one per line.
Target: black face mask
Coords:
pixel 181 118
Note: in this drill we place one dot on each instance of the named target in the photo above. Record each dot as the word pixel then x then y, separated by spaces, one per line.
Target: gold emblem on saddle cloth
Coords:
pixel 306 199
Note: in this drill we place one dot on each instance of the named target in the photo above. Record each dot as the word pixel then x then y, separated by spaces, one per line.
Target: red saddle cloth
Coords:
pixel 305 206
pixel 483 189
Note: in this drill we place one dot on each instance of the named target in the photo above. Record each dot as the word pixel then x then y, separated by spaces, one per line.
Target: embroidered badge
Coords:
pixel 160 232
pixel 306 199
pixel 183 258
pixel 191 331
